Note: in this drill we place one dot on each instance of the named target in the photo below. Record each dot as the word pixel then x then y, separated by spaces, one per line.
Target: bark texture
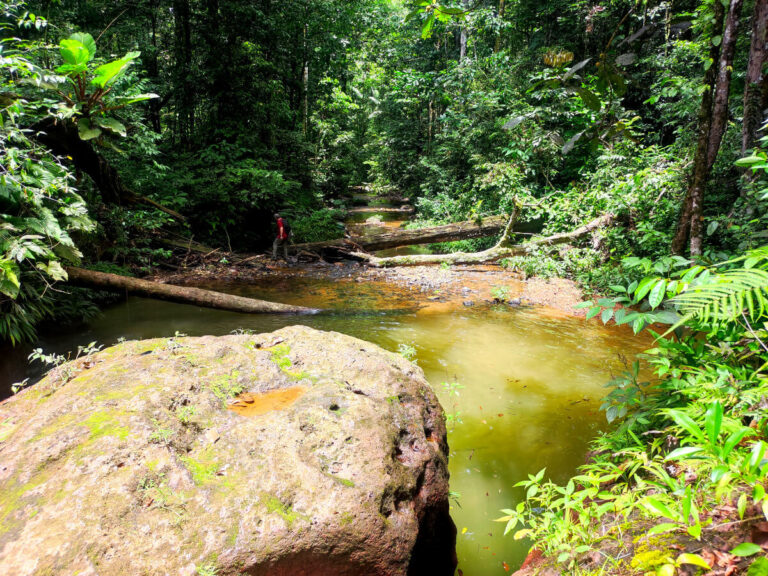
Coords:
pixel 753 88
pixel 179 294
pixel 712 121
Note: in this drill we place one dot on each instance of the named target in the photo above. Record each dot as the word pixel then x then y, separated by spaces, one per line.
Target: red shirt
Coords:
pixel 281 235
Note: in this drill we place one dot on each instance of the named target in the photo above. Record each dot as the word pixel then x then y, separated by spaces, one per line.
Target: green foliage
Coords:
pixel 500 294
pixel 407 351
pixel 319 225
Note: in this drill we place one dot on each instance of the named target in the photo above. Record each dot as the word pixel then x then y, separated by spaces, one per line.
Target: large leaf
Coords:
pixel 111 71
pixel 124 100
pixel 693 559
pixel 758 568
pixel 686 423
pixel 568 146
pixel 658 508
pixel 683 452
pixel 86 40
pixel 72 69
pixel 110 124
pixel 657 294
pixel 589 98
pixel 514 122
pixel 746 549
pixel 429 23
pixel 575 68
pixel 54 270
pixel 714 421
pixel 9 278
pixel 86 131
pixel 73 52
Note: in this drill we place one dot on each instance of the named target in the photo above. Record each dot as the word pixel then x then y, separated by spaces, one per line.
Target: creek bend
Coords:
pixel 528 393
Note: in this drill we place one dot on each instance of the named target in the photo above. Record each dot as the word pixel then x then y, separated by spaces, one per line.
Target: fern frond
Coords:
pixel 726 296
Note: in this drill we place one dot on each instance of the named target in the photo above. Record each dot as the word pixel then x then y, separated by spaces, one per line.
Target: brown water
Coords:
pixel 531 383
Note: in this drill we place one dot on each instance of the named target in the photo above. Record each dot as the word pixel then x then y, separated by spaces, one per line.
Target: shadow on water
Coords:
pixel 530 384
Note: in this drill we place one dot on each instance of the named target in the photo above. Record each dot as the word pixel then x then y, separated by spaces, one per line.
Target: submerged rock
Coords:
pixel 296 452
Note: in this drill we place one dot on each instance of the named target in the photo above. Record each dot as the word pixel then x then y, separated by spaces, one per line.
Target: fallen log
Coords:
pixel 500 250
pixel 385 210
pixel 432 235
pixel 179 294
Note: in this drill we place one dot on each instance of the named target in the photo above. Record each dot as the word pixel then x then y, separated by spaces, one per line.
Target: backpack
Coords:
pixel 287 226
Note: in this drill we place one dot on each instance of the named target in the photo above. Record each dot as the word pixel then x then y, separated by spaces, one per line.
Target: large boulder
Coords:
pixel 296 452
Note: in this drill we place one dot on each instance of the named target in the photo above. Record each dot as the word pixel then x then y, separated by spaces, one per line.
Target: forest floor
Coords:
pixel 436 289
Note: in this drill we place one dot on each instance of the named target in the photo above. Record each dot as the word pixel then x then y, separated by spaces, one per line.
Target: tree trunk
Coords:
pixel 723 83
pixel 463 37
pixel 501 250
pixel 179 294
pixel 700 167
pixel 497 44
pixel 436 234
pixel 184 81
pixel 758 59
pixel 305 86
pixel 719 122
pixel 63 140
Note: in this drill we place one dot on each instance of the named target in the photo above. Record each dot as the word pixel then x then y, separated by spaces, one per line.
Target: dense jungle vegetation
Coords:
pixel 126 124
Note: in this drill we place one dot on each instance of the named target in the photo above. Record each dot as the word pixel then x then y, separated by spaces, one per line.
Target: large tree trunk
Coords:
pixel 63 140
pixel 305 85
pixel 185 84
pixel 693 200
pixel 180 294
pixel 501 250
pixel 723 83
pixel 753 88
pixel 434 235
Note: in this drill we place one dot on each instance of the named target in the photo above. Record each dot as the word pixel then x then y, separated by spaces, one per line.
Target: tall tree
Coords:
pixel 756 82
pixel 713 118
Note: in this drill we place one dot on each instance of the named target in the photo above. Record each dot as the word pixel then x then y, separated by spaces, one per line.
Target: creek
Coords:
pixel 522 387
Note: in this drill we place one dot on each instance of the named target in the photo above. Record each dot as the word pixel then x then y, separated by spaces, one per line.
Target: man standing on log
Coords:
pixel 281 239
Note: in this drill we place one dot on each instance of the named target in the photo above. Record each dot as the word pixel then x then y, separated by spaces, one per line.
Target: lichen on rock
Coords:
pixel 136 464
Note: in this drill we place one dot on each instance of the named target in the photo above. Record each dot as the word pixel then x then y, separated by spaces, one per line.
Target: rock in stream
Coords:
pixel 291 453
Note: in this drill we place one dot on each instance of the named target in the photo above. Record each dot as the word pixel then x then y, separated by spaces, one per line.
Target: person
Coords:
pixel 282 238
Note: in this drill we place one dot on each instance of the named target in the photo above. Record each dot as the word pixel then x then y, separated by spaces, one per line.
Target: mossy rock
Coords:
pixel 135 461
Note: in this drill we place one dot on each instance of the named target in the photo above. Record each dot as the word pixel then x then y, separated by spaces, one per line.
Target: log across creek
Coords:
pixel 179 294
pixel 396 238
